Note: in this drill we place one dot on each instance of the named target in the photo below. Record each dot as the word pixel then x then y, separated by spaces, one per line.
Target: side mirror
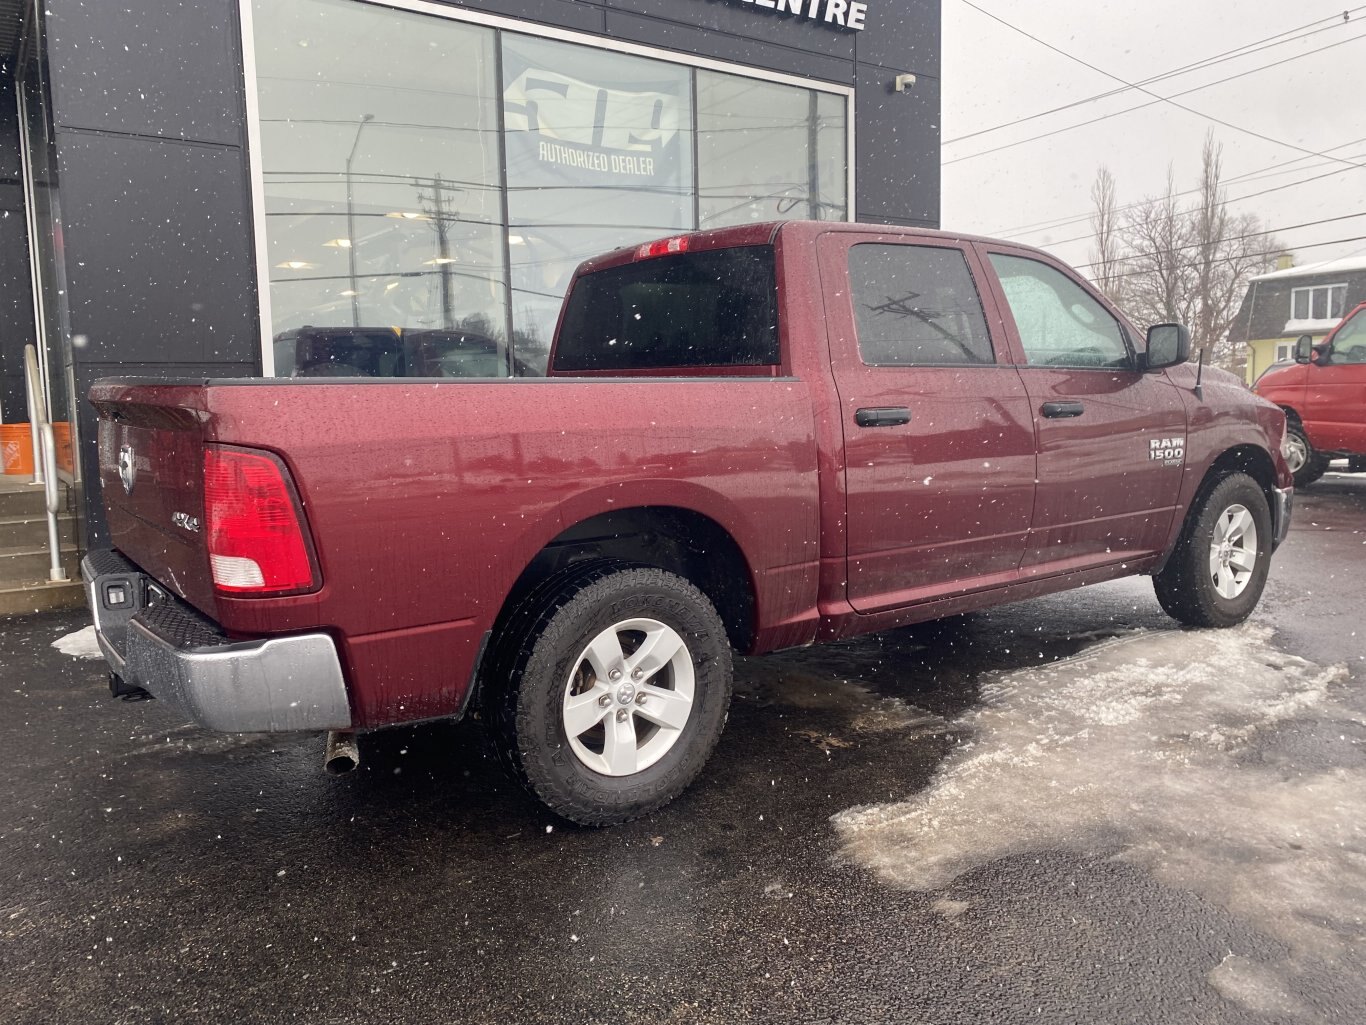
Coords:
pixel 1303 345
pixel 1169 345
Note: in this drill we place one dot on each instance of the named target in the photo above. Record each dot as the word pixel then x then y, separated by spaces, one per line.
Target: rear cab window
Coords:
pixel 714 308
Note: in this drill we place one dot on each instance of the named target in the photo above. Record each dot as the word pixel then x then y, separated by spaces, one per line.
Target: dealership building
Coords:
pixel 266 187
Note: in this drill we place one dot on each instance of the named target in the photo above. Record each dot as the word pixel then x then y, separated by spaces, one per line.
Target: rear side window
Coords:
pixel 916 306
pixel 704 309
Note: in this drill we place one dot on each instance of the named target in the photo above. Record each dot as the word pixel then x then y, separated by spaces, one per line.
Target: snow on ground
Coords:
pixel 80 644
pixel 1144 743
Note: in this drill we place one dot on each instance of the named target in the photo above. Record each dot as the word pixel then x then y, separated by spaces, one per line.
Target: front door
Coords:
pixel 1335 397
pixel 1111 439
pixel 939 444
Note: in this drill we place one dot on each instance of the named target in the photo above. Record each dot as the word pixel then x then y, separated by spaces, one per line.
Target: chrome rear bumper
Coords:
pixel 155 641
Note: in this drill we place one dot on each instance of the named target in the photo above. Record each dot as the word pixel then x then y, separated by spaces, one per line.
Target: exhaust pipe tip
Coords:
pixel 342 753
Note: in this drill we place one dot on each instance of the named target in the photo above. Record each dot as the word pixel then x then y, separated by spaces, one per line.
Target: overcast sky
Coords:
pixel 1317 101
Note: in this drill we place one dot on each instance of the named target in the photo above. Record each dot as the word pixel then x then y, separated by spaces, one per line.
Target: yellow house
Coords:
pixel 1283 304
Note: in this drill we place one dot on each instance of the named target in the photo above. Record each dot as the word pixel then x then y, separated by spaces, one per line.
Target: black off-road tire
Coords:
pixel 534 662
pixel 1315 464
pixel 1185 587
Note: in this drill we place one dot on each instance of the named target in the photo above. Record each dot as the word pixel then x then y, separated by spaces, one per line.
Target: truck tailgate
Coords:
pixel 151 456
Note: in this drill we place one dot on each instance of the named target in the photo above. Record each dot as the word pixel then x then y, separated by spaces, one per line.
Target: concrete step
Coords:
pixel 20 567
pixel 31 531
pixel 20 499
pixel 20 601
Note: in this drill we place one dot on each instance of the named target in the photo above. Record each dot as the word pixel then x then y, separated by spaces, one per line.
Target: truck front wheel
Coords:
pixel 1215 574
pixel 617 693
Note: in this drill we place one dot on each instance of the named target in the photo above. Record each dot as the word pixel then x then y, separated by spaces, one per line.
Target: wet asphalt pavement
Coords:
pixel 156 873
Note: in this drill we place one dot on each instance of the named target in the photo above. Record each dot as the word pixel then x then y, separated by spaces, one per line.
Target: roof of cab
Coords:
pixel 766 232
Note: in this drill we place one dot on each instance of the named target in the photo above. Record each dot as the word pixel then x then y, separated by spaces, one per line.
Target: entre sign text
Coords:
pixel 849 14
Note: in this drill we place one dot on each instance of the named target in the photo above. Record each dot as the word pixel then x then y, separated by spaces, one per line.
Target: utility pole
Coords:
pixel 365 119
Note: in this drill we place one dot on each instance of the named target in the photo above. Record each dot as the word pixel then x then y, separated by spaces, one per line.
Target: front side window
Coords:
pixel 1060 324
pixel 916 306
pixel 705 309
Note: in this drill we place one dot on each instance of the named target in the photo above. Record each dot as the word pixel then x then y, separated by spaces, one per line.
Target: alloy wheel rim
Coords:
pixel 1296 452
pixel 628 697
pixel 1233 551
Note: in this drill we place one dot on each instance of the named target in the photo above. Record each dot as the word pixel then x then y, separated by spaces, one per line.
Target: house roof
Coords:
pixel 1340 266
pixel 1268 309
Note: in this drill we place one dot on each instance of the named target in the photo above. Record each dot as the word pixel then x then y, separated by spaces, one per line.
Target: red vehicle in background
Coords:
pixel 1324 398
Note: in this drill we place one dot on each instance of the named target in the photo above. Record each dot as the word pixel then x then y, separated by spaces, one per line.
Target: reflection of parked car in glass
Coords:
pixel 1323 394
pixel 391 352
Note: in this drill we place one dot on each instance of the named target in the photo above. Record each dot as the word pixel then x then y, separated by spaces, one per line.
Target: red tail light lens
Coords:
pixel 255 536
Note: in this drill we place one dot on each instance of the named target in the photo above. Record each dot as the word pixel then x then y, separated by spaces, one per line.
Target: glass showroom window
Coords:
pixel 769 152
pixel 418 223
pixel 383 211
pixel 599 155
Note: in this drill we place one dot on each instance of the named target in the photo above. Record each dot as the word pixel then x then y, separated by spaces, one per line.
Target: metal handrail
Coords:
pixel 45 459
pixel 37 413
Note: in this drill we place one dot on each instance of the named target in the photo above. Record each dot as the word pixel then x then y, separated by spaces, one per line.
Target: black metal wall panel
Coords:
pixel 671 35
pixel 901 34
pixel 742 22
pixel 158 250
pixel 575 15
pixel 147 67
pixel 897 143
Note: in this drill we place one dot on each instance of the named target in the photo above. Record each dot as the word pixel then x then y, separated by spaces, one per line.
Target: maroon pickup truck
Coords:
pixel 750 439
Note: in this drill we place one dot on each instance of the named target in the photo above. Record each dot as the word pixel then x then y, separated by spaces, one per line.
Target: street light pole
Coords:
pixel 365 119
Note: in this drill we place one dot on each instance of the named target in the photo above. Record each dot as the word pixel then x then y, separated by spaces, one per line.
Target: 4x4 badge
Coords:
pixel 128 468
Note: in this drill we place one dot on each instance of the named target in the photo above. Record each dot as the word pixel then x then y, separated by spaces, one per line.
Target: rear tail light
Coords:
pixel 253 524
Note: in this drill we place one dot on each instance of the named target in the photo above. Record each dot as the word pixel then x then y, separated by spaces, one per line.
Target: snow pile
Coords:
pixel 81 644
pixel 1144 743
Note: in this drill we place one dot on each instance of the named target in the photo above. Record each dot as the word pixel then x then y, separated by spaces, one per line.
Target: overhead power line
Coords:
pixel 1143 89
pixel 1244 256
pixel 1250 195
pixel 1246 50
pixel 1257 174
pixel 1240 238
pixel 1166 99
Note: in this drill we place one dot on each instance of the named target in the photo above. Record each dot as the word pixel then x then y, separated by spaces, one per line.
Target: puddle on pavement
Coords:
pixel 1148 743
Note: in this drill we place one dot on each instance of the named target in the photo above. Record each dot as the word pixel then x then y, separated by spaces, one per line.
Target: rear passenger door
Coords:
pixel 1111 438
pixel 938 438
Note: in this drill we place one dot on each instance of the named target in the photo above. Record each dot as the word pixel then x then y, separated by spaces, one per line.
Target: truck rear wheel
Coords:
pixel 1216 573
pixel 1300 457
pixel 616 694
